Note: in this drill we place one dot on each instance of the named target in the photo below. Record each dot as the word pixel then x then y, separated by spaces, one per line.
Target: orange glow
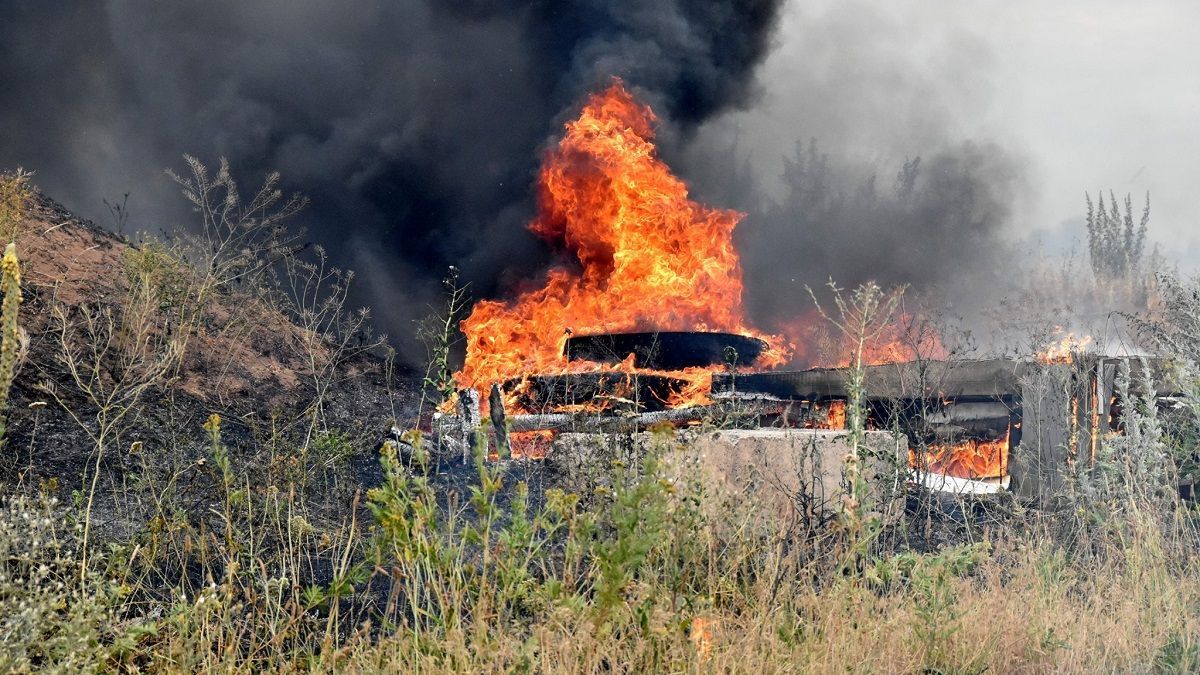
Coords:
pixel 642 257
pixel 903 340
pixel 907 337
pixel 969 459
pixel 1062 352
pixel 835 416
pixel 701 635
pixel 533 444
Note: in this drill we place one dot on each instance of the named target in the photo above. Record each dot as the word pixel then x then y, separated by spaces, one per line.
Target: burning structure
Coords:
pixel 646 258
pixel 644 325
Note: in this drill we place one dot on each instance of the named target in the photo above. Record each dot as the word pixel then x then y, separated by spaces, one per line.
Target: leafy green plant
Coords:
pixel 1179 654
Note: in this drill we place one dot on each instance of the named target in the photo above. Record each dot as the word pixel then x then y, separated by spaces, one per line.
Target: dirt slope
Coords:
pixel 245 362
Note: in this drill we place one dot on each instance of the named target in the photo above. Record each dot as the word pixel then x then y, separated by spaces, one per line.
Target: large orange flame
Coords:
pixel 1063 351
pixel 645 257
pixel 969 459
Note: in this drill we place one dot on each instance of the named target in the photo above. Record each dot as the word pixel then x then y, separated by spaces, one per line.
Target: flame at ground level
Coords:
pixel 643 256
pixel 830 415
pixel 972 459
pixel 531 444
pixel 968 459
pixel 1063 351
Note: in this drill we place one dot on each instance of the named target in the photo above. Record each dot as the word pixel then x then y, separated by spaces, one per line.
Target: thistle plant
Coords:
pixel 861 317
pixel 14 193
pixel 10 332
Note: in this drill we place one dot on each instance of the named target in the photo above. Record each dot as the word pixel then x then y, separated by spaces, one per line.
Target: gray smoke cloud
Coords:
pixel 417 127
pixel 863 162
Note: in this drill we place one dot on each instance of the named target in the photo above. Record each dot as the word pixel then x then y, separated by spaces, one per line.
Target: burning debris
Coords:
pixel 644 325
pixel 644 258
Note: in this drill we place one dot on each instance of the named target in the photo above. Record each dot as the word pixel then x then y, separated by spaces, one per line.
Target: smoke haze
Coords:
pixel 416 128
pixel 862 163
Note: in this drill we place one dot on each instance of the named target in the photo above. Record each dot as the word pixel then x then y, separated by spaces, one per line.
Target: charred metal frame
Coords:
pixel 1054 415
pixel 1057 413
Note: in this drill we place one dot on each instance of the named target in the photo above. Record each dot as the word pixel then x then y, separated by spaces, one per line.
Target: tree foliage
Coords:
pixel 1115 242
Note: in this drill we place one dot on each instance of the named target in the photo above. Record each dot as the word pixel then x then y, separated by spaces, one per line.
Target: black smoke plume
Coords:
pixel 416 128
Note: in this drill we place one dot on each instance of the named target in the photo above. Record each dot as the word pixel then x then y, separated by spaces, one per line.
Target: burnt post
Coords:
pixel 1093 391
pixel 469 419
pixel 496 411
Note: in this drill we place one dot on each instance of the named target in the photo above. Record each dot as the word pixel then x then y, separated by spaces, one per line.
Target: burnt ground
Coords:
pixel 245 363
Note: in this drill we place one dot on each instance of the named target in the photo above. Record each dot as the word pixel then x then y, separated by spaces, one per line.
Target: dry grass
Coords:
pixel 653 574
pixel 1022 607
pixel 646 569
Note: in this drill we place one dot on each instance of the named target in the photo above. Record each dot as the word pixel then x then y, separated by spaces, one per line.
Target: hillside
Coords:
pixel 104 321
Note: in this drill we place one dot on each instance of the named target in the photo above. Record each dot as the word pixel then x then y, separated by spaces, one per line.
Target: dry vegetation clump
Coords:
pixel 654 573
pixel 128 344
pixel 183 533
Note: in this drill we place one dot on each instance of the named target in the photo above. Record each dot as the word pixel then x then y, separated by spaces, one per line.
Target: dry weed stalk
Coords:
pixel 440 335
pixel 14 196
pixel 327 336
pixel 239 241
pixel 249 245
pixel 113 359
pixel 861 317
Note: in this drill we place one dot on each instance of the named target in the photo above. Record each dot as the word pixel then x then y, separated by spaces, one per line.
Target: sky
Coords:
pixel 1088 95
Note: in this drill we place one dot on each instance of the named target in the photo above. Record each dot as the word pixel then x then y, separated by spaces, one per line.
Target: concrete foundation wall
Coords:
pixel 789 469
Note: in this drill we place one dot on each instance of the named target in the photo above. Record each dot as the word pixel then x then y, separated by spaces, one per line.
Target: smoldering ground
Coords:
pixel 416 128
